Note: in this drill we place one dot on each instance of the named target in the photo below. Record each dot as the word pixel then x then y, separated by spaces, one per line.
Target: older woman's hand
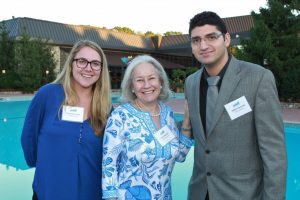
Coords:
pixel 186 124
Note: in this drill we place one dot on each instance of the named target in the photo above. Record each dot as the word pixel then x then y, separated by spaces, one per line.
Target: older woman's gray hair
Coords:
pixel 126 87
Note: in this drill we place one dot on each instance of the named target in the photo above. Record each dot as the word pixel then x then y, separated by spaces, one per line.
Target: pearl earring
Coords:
pixel 132 91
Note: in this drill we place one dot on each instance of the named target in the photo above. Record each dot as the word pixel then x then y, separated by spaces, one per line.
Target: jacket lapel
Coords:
pixel 229 83
pixel 196 101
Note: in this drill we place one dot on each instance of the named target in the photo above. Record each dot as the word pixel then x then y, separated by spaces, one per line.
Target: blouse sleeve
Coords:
pixel 112 150
pixel 185 143
pixel 31 128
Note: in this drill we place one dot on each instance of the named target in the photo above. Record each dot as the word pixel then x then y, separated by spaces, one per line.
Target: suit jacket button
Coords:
pixel 207 151
pixel 208 174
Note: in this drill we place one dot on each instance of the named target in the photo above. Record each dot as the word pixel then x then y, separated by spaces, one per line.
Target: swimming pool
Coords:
pixel 16 178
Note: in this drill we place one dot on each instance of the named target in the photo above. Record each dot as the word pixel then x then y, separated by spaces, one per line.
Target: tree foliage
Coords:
pixel 179 76
pixel 190 70
pixel 149 33
pixel 6 55
pixel 124 29
pixel 169 33
pixel 29 63
pixel 275 44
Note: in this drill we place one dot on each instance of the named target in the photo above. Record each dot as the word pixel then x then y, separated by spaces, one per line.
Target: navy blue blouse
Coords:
pixel 67 155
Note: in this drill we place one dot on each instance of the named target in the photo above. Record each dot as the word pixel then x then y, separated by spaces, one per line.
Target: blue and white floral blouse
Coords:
pixel 135 165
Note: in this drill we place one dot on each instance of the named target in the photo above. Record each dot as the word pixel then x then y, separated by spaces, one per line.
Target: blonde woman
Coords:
pixel 62 133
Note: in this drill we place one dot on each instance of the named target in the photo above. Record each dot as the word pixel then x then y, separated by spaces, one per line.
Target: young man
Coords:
pixel 240 148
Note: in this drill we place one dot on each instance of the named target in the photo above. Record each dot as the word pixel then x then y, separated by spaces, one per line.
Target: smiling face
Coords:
pixel 146 83
pixel 208 48
pixel 85 78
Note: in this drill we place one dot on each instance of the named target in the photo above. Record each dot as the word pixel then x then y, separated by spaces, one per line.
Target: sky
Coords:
pixel 158 16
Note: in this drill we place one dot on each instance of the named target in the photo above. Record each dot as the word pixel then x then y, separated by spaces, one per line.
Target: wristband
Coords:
pixel 185 129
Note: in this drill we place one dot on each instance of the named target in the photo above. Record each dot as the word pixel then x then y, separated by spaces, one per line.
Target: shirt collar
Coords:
pixel 222 72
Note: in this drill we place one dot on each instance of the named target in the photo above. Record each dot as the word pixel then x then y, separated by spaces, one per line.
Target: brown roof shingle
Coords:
pixel 239 24
pixel 66 34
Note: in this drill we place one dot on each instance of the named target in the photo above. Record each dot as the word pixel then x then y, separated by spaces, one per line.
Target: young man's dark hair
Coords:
pixel 207 17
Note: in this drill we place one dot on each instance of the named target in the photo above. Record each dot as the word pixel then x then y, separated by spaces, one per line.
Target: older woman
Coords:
pixel 141 141
pixel 62 133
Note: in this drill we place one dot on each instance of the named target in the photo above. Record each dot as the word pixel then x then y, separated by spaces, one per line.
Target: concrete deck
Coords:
pixel 290 115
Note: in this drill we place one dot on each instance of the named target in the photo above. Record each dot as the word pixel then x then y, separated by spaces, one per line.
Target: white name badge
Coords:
pixel 238 108
pixel 72 114
pixel 164 135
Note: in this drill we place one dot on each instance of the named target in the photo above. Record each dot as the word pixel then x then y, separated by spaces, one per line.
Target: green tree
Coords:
pixel 178 77
pixel 149 33
pixel 169 33
pixel 190 70
pixel 34 63
pixel 275 44
pixel 124 29
pixel 7 59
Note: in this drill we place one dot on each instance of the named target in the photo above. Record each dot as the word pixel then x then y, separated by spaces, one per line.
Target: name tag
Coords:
pixel 238 107
pixel 164 135
pixel 72 114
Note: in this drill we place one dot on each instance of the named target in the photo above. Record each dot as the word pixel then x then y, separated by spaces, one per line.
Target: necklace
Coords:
pixel 152 115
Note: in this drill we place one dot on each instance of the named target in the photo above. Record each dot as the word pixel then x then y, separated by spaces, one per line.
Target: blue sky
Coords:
pixel 157 16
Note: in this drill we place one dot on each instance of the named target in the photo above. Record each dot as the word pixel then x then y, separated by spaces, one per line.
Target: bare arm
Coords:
pixel 186 124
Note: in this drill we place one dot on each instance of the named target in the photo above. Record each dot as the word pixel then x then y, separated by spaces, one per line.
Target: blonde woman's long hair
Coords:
pixel 101 93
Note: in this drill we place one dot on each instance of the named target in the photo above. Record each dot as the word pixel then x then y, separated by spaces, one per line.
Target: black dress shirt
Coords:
pixel 203 91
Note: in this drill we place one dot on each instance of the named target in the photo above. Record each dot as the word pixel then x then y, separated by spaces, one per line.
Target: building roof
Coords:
pixel 239 27
pixel 240 24
pixel 175 45
pixel 66 35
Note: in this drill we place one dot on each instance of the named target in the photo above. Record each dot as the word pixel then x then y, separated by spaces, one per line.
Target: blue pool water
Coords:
pixel 16 178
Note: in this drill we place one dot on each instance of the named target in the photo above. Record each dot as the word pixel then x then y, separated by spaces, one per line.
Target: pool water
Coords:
pixel 16 178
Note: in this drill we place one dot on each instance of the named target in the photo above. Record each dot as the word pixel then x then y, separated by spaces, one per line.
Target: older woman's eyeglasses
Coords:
pixel 209 38
pixel 83 63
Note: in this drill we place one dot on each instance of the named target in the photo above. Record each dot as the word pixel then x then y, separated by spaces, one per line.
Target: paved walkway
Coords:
pixel 290 115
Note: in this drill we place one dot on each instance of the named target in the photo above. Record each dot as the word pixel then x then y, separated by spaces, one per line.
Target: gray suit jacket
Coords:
pixel 244 158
